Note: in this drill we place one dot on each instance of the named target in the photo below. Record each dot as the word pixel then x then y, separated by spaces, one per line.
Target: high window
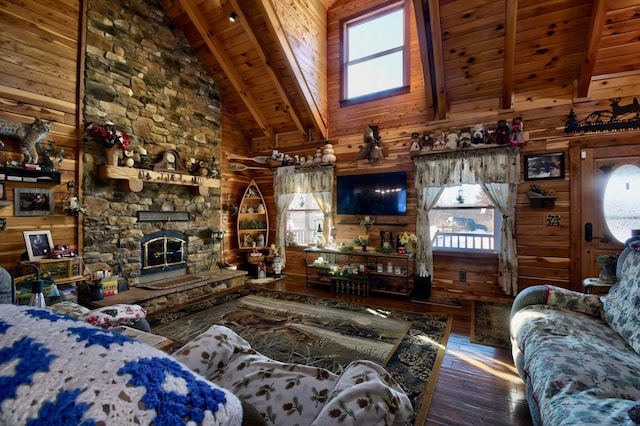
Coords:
pixel 464 219
pixel 374 53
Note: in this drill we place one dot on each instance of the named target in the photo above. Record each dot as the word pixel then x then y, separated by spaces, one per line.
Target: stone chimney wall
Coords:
pixel 141 74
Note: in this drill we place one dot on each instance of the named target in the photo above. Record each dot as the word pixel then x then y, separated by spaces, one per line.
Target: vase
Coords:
pixel 112 155
pixel 408 248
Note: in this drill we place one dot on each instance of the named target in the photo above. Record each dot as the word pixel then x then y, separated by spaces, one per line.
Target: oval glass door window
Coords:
pixel 622 202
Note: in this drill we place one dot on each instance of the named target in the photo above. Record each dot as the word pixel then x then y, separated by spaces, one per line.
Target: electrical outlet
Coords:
pixel 463 276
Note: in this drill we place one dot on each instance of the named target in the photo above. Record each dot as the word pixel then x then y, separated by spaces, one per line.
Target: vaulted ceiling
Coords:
pixel 471 50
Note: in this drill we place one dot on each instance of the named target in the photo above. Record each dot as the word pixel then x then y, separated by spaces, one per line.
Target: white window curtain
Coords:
pixel 316 180
pixel 498 171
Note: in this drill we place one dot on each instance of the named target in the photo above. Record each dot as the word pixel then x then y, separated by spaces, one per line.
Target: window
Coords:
pixel 304 219
pixel 374 53
pixel 464 218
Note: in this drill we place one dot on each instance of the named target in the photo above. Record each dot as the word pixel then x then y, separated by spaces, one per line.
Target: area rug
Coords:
pixel 325 333
pixel 490 324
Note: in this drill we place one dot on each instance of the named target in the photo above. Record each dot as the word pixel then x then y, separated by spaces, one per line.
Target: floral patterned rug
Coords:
pixel 324 333
pixel 490 324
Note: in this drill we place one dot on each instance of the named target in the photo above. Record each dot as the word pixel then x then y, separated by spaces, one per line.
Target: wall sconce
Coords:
pixel 233 17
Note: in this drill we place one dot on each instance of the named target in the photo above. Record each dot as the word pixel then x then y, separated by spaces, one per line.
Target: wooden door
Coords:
pixel 610 184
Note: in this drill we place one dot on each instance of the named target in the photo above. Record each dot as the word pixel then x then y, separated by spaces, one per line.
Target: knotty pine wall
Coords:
pixel 39 73
pixel 544 252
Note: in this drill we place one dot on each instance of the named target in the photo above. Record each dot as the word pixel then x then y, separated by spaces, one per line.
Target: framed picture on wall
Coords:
pixel 33 202
pixel 39 244
pixel 3 192
pixel 544 166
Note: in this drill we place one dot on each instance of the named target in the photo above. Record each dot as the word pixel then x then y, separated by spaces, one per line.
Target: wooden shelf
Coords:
pixel 252 198
pixel 135 178
pixel 18 174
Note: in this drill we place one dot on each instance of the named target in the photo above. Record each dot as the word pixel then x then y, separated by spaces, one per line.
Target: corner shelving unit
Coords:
pixel 253 220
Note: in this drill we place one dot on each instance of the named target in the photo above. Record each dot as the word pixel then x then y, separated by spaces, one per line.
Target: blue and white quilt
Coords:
pixel 56 370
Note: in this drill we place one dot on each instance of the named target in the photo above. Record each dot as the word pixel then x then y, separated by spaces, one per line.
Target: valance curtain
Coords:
pixel 315 180
pixel 497 170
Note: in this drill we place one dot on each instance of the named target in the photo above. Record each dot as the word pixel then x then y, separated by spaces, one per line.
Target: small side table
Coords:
pixel 590 284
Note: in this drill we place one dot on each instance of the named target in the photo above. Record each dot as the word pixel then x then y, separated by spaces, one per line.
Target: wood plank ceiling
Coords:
pixel 472 50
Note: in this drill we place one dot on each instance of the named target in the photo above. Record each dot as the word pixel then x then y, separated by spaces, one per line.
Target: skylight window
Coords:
pixel 374 53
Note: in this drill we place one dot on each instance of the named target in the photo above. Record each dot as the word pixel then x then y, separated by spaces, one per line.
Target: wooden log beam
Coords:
pixel 273 74
pixel 598 16
pixel 437 64
pixel 216 49
pixel 275 27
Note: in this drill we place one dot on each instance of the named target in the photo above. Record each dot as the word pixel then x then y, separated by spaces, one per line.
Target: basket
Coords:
pixel 253 258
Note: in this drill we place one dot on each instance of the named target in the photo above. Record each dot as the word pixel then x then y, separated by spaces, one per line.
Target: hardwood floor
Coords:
pixel 477 385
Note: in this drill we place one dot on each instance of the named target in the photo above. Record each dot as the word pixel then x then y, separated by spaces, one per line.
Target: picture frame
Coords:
pixel 39 244
pixel 33 202
pixel 544 166
pixel 3 192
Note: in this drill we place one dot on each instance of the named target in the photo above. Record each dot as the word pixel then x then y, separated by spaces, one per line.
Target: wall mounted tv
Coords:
pixel 372 194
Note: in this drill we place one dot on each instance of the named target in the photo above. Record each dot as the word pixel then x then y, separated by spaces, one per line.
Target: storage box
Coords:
pixel 110 286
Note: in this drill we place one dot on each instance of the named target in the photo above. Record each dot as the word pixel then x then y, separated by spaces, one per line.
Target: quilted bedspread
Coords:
pixel 57 370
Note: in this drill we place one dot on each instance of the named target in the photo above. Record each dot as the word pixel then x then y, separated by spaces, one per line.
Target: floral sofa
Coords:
pixel 579 354
pixel 55 369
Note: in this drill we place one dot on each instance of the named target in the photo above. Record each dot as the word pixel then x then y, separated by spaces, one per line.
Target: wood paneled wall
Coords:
pixel 41 62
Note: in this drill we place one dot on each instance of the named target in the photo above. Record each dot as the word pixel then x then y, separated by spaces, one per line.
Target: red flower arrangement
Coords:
pixel 107 135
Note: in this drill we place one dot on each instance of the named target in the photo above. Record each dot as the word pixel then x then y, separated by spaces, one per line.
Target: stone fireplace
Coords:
pixel 142 75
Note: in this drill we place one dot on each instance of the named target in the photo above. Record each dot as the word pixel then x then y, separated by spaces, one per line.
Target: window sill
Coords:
pixel 476 254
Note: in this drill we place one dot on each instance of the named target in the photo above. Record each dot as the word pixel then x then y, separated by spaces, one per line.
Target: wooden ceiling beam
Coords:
pixel 272 73
pixel 598 16
pixel 426 57
pixel 510 23
pixel 436 67
pixel 216 49
pixel 275 27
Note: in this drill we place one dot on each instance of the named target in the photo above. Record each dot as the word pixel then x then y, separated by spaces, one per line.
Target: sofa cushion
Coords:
pixel 114 315
pixel 621 307
pixel 58 370
pixel 634 413
pixel 578 369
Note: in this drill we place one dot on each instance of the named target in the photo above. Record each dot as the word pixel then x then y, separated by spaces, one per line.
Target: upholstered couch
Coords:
pixel 579 354
pixel 60 370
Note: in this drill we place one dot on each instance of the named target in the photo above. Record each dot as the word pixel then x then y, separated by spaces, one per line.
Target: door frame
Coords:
pixel 577 230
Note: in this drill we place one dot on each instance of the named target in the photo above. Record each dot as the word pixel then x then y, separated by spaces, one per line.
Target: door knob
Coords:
pixel 588 234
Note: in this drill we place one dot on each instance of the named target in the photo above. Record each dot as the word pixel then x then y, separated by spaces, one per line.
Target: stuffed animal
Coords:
pixel 516 138
pixel 371 148
pixel 478 135
pixel 502 134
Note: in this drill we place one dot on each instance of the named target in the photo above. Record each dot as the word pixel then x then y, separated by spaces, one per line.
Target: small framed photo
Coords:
pixel 33 202
pixel 39 244
pixel 3 191
pixel 544 166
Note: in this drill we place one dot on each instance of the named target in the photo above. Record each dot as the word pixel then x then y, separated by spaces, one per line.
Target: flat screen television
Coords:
pixel 372 194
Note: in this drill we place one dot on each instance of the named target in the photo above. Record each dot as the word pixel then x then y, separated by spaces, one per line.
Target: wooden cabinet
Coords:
pixel 253 220
pixel 65 272
pixel 385 273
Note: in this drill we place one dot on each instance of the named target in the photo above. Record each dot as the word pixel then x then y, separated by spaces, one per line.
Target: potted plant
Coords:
pixel 608 262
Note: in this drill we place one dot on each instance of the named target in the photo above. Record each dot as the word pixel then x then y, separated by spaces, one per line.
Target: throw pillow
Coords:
pixel 620 306
pixel 59 370
pixel 634 413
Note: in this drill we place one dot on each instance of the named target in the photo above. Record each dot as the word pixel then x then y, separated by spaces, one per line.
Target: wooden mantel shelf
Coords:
pixel 135 178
